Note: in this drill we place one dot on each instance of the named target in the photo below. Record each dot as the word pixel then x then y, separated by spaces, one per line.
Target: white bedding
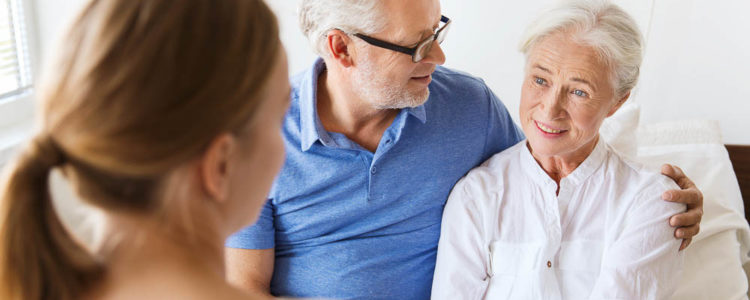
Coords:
pixel 714 261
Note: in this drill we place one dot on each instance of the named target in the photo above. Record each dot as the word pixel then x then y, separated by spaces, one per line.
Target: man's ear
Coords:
pixel 339 47
pixel 215 167
pixel 618 105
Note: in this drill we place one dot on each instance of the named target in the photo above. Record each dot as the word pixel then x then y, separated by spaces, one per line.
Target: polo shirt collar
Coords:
pixel 311 129
pixel 418 112
pixel 310 126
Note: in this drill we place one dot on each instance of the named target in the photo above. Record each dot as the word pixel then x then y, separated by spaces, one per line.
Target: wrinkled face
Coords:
pixel 566 95
pixel 261 153
pixel 387 79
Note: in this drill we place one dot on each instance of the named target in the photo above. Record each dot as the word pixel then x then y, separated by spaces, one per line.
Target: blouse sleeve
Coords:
pixel 643 261
pixel 461 269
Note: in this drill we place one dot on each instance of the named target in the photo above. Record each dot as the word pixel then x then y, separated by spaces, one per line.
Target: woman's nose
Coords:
pixel 552 104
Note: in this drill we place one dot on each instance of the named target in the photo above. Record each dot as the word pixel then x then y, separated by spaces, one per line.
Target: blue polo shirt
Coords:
pixel 349 223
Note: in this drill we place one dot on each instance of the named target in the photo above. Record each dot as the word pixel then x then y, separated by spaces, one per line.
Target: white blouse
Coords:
pixel 507 235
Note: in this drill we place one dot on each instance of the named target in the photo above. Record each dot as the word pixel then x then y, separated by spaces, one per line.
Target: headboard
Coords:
pixel 740 157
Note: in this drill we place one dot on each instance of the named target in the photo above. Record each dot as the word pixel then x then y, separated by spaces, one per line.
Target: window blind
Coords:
pixel 15 75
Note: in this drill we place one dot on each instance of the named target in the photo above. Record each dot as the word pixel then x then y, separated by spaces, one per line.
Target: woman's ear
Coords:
pixel 617 105
pixel 215 167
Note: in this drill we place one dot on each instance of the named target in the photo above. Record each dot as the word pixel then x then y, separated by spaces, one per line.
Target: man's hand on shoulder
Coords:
pixel 687 223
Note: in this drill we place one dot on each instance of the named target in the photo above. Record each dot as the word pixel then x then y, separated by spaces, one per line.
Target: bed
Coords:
pixel 740 157
pixel 717 260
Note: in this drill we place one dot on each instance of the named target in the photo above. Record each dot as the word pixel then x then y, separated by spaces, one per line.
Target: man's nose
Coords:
pixel 436 55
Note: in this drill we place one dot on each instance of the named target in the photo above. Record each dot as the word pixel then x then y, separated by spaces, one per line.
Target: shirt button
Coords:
pixel 549 264
pixel 374 170
pixel 387 141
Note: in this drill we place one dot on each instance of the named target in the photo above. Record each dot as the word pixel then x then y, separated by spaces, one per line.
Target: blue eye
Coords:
pixel 580 93
pixel 540 81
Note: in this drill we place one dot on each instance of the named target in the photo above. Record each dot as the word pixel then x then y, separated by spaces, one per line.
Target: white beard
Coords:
pixel 382 94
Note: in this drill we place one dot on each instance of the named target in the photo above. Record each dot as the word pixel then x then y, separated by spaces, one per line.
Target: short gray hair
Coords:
pixel 606 27
pixel 317 17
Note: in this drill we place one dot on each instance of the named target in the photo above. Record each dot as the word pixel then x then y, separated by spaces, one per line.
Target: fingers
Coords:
pixel 689 193
pixel 678 176
pixel 692 197
pixel 685 244
pixel 687 232
pixel 688 223
pixel 671 171
pixel 689 218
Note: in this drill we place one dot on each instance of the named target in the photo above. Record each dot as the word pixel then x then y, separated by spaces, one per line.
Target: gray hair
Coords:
pixel 317 17
pixel 606 27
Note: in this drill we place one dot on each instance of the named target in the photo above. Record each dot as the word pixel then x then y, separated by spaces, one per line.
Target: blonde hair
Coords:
pixel 141 87
pixel 606 27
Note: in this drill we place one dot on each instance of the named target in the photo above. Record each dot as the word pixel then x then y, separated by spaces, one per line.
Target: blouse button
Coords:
pixel 549 264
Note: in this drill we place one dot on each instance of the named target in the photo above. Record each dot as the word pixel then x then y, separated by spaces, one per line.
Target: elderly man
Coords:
pixel 376 136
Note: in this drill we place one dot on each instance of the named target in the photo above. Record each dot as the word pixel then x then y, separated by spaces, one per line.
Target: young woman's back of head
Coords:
pixel 146 97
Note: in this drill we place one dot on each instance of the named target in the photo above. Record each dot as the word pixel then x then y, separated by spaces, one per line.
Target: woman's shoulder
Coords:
pixel 507 156
pixel 636 172
pixel 644 182
pixel 161 285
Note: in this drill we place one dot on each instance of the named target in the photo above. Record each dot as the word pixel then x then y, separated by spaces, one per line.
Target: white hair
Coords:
pixel 600 24
pixel 317 17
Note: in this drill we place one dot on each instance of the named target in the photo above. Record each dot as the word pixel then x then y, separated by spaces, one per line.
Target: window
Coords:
pixel 16 105
pixel 15 72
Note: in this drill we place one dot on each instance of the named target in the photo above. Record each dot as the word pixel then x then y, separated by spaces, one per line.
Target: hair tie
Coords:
pixel 46 150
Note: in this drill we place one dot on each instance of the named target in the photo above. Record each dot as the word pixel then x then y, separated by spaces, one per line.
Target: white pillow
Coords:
pixel 714 261
pixel 619 130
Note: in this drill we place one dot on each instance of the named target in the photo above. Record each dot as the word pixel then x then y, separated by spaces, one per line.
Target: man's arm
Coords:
pixel 502 132
pixel 250 270
pixel 687 223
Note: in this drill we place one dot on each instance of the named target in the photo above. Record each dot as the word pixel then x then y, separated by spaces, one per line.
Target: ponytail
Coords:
pixel 39 259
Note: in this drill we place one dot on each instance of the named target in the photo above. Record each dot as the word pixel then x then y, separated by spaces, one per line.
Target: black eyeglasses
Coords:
pixel 421 50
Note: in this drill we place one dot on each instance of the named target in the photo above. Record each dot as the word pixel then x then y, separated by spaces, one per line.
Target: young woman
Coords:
pixel 165 114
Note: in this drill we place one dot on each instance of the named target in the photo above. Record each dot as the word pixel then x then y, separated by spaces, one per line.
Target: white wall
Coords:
pixel 695 67
pixel 51 20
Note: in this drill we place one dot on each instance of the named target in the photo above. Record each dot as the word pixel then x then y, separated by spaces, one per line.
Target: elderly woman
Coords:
pixel 575 220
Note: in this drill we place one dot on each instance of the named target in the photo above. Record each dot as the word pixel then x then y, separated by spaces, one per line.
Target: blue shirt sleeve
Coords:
pixel 502 132
pixel 261 235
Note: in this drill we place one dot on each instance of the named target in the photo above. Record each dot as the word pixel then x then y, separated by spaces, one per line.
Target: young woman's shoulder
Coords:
pixel 161 286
